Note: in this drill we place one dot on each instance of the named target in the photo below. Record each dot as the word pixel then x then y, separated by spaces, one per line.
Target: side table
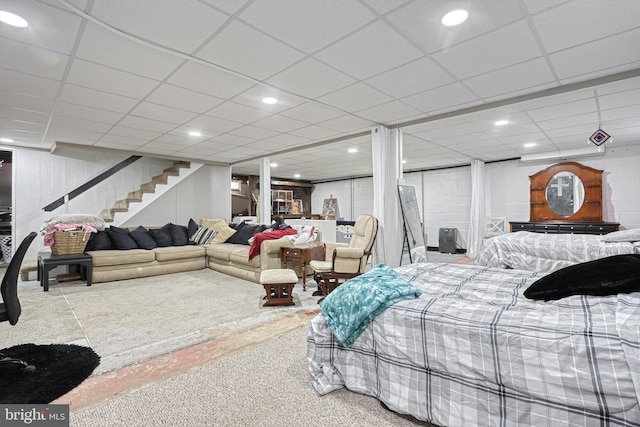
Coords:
pixel 304 253
pixel 48 261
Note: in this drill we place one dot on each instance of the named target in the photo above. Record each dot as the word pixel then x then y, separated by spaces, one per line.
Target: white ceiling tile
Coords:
pixel 287 140
pixel 414 77
pixel 574 120
pixel 373 50
pixel 32 60
pixel 535 6
pixel 131 132
pixel 443 97
pixel 348 124
pixel 106 48
pixel 28 85
pixel 308 25
pixel 356 97
pixel 244 50
pixel 94 76
pixel 316 132
pixel 228 6
pixel 183 99
pixel 49 27
pixel 599 56
pixel 163 21
pixel 253 96
pixel 13 125
pixel 384 6
pixel 87 113
pixel 253 132
pixel 209 80
pixel 421 21
pixel 22 115
pixel 146 124
pixel 24 101
pixel 214 124
pixel 279 123
pixel 310 78
pixel 83 125
pixel 563 110
pixel 179 139
pixel 94 98
pixel 506 46
pixel 578 22
pixel 527 75
pixel 162 113
pixel 238 112
pixel 312 112
pixel 121 141
pixel 631 111
pixel 390 112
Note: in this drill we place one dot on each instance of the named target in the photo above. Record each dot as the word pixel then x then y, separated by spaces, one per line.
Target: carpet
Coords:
pixel 58 369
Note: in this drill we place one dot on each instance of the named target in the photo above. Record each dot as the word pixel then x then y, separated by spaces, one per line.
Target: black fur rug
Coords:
pixel 59 368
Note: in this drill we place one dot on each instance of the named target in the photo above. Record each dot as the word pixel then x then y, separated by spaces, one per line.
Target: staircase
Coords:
pixel 148 192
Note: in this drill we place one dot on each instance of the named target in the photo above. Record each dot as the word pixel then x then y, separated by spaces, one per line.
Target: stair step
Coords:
pixel 121 204
pixel 160 179
pixel 173 171
pixel 148 187
pixel 106 215
pixel 135 196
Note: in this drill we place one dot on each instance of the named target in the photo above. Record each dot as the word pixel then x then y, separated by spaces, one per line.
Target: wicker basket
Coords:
pixel 69 242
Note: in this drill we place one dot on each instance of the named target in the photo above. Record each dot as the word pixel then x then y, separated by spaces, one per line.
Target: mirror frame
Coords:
pixel 591 209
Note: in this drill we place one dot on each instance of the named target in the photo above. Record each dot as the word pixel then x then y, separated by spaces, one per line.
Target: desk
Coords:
pixel 304 253
pixel 48 261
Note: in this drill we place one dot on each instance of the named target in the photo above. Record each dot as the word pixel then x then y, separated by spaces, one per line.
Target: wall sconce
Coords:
pixel 599 137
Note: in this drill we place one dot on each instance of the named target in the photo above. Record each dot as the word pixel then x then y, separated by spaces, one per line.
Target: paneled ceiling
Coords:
pixel 138 76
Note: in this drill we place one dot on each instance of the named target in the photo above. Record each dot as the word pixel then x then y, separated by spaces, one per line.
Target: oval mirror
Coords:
pixel 565 193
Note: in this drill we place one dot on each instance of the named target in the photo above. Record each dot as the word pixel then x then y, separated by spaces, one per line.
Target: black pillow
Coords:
pixel 244 232
pixel 121 238
pixel 100 241
pixel 605 276
pixel 179 236
pixel 162 236
pixel 143 238
pixel 192 227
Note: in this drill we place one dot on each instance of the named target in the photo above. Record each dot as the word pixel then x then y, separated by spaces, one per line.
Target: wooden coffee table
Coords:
pixel 304 253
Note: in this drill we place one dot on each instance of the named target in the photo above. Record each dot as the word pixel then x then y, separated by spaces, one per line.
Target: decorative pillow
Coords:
pixel 192 227
pixel 244 232
pixel 100 241
pixel 121 238
pixel 223 232
pixel 605 276
pixel 203 236
pixel 162 236
pixel 179 236
pixel 632 235
pixel 143 238
pixel 210 222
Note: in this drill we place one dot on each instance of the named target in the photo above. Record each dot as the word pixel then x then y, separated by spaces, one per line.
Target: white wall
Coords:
pixel 41 177
pixel 445 195
pixel 355 197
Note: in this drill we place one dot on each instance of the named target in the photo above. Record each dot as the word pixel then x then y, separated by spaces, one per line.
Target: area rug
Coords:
pixel 58 369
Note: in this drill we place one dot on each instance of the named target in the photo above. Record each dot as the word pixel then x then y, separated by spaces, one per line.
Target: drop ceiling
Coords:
pixel 138 76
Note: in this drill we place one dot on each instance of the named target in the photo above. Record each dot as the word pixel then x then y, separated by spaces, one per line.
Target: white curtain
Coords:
pixel 477 218
pixel 386 147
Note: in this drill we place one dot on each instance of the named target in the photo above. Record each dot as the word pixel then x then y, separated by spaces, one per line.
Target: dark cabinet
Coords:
pixel 565 227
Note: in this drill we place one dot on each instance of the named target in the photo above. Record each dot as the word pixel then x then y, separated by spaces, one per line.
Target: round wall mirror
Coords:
pixel 565 193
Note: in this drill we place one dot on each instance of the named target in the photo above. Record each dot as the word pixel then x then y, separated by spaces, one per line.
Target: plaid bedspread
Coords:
pixel 547 252
pixel 472 351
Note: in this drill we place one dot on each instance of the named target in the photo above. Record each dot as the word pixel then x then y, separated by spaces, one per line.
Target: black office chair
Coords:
pixel 10 308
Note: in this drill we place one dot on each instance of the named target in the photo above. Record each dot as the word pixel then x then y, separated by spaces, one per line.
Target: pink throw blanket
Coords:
pixel 258 238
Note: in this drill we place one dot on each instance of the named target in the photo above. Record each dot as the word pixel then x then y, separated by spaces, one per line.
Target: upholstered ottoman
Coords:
pixel 278 284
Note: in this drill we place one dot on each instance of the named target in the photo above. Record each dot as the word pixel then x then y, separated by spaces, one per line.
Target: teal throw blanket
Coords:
pixel 350 308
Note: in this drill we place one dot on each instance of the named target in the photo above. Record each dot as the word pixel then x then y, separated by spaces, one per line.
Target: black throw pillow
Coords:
pixel 192 227
pixel 143 238
pixel 179 236
pixel 605 276
pixel 162 236
pixel 100 241
pixel 244 232
pixel 121 238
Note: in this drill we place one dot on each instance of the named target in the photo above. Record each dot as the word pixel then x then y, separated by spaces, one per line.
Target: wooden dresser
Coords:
pixel 564 227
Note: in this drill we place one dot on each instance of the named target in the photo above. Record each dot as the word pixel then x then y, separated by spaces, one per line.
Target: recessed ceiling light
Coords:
pixel 455 17
pixel 297 175
pixel 501 122
pixel 269 100
pixel 353 150
pixel 12 19
pixel 274 165
pixel 6 140
pixel 195 133
pixel 530 144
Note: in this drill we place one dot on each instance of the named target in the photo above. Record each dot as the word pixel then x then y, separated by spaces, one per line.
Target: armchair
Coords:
pixel 10 308
pixel 345 261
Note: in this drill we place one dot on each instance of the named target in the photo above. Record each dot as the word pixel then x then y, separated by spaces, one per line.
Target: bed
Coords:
pixel 526 250
pixel 471 350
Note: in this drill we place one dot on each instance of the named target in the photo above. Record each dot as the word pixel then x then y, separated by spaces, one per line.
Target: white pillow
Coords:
pixel 632 235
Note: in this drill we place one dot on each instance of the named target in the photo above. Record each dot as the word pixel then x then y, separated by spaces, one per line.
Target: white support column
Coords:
pixel 386 150
pixel 264 212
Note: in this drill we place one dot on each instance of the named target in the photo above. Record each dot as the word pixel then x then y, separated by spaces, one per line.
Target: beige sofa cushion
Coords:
pixel 170 253
pixel 222 251
pixel 119 257
pixel 241 256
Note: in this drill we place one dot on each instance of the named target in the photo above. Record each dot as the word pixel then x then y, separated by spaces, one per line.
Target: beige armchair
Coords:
pixel 344 261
